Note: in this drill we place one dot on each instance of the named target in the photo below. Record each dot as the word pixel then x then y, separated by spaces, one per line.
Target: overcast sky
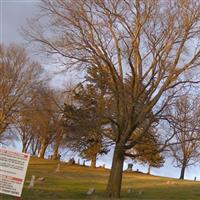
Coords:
pixel 13 15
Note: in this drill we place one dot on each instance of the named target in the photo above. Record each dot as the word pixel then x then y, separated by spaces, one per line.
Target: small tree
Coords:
pixel 185 117
pixel 147 151
pixel 93 148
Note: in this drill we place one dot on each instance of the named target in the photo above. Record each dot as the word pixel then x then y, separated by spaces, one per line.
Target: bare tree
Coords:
pixel 59 98
pixel 140 46
pixel 44 118
pixel 185 116
pixel 26 134
pixel 18 77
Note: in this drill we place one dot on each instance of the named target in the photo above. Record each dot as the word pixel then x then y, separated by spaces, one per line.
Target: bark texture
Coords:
pixel 115 179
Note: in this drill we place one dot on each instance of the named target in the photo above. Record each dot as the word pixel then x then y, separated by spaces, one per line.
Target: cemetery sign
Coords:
pixel 13 167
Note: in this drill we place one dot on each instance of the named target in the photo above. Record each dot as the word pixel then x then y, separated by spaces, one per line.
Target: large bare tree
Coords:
pixel 142 46
pixel 18 78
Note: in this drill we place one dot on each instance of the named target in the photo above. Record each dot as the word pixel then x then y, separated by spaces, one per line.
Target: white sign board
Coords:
pixel 13 167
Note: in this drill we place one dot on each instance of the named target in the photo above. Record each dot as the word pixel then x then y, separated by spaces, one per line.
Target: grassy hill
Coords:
pixel 74 181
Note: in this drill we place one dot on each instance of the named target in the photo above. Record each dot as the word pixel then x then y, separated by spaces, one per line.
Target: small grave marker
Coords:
pixel 141 192
pixel 31 185
pixel 130 166
pixel 40 179
pixel 129 190
pixel 91 191
pixel 58 168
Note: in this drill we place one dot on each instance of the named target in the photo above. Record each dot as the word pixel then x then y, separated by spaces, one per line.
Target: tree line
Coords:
pixel 141 63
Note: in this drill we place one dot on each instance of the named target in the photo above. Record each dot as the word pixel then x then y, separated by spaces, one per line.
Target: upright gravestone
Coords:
pixel 58 168
pixel 31 185
pixel 91 191
pixel 130 166
pixel 129 190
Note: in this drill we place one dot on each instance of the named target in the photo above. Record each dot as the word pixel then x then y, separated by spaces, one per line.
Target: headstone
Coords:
pixel 79 161
pixel 58 168
pixel 141 192
pixel 91 191
pixel 71 161
pixel 195 178
pixel 31 185
pixel 83 162
pixel 130 166
pixel 171 183
pixel 129 190
pixel 104 166
pixel 41 179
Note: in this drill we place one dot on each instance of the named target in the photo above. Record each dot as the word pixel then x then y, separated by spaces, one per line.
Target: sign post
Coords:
pixel 13 167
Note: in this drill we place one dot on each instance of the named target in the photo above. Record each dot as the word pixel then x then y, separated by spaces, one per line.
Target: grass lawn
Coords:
pixel 74 181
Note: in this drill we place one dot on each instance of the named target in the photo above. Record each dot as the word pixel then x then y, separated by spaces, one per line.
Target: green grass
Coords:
pixel 74 181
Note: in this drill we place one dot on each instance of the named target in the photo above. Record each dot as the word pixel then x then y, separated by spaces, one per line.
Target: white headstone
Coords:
pixel 31 185
pixel 140 192
pixel 129 190
pixel 91 191
pixel 58 168
pixel 41 179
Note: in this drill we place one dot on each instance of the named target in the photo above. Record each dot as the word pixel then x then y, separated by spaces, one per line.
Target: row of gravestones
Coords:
pixel 58 170
pixel 73 162
pixel 91 191
pixel 42 178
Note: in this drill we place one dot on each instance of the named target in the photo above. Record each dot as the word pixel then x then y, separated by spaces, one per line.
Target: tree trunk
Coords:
pixel 42 150
pixel 55 151
pixel 57 145
pixel 93 161
pixel 149 169
pixel 35 147
pixel 24 149
pixel 114 184
pixel 25 145
pixel 182 171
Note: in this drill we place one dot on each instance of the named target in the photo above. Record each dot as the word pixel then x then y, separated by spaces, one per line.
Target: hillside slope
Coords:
pixel 72 182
